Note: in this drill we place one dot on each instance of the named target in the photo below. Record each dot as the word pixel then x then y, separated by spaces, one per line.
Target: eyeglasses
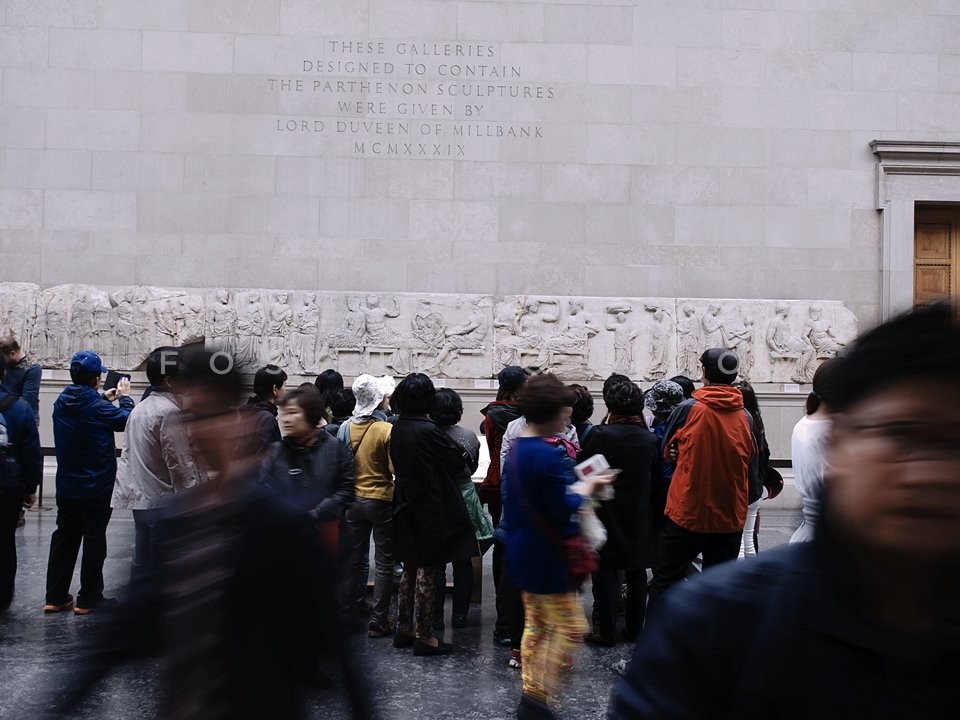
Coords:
pixel 906 441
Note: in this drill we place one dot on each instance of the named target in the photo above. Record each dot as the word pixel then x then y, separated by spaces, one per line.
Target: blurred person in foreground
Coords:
pixel 309 468
pixel 239 600
pixel 156 459
pixel 864 621
pixel 540 514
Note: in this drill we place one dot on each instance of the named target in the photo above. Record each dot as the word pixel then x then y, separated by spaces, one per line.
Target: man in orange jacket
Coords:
pixel 710 439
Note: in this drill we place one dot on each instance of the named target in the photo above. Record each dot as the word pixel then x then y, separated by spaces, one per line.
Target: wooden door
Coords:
pixel 936 254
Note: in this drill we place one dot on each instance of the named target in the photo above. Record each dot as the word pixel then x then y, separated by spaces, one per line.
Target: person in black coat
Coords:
pixel 631 448
pixel 431 524
pixel 309 468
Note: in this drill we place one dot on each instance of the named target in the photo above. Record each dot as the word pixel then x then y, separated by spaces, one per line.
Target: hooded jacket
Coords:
pixel 83 428
pixel 24 440
pixel 716 461
pixel 496 416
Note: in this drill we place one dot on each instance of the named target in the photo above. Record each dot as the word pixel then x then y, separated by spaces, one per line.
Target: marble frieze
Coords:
pixel 443 335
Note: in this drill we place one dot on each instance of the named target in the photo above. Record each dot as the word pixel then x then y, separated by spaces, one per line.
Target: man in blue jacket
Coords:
pixel 865 620
pixel 83 426
pixel 18 484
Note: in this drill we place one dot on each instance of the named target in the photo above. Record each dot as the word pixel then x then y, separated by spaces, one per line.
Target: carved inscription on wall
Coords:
pixel 410 99
pixel 456 336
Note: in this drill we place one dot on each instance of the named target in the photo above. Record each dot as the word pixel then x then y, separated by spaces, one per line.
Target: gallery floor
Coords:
pixel 475 682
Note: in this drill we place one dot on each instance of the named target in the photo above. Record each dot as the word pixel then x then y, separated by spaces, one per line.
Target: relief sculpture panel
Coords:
pixel 453 336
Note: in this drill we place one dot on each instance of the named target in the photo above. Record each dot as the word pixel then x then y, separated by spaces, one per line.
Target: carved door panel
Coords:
pixel 936 254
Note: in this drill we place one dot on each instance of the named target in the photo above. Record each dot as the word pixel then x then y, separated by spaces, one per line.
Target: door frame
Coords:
pixel 909 172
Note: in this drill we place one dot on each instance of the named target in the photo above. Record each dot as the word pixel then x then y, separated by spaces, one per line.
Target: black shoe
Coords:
pixel 402 640
pixel 421 649
pixel 85 607
pixel 502 639
pixel 530 709
pixel 459 621
pixel 630 635
pixel 597 639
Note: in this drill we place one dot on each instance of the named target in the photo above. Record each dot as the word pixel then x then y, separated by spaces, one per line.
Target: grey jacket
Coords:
pixel 156 459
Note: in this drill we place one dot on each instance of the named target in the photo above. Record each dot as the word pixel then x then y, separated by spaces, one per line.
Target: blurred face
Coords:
pixel 895 479
pixel 293 422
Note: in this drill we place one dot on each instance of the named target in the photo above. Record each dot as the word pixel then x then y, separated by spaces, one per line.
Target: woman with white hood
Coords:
pixel 368 435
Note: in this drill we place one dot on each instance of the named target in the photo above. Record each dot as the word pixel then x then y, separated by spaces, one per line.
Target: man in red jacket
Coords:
pixel 710 439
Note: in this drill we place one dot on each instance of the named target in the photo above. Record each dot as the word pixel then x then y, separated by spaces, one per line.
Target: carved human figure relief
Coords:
pixel 424 341
pixel 624 336
pixel 572 335
pixel 81 321
pixel 660 331
pixel 349 336
pixel 712 332
pixel 193 314
pixel 303 341
pixel 145 325
pixel 819 333
pixel 250 326
pixel 688 342
pixel 737 331
pixel 223 324
pixel 785 345
pixel 103 330
pixel 167 317
pixel 532 325
pixel 468 335
pixel 279 321
pixel 124 327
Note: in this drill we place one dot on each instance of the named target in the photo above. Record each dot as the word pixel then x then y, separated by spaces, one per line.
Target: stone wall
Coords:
pixel 616 148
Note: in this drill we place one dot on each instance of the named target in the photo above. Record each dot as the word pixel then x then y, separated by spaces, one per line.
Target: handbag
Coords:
pixel 578 555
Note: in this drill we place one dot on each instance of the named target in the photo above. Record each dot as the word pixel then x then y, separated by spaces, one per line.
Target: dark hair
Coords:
pixel 163 362
pixel 611 381
pixel 686 384
pixel 751 404
pixel 822 391
pixel 329 380
pixel 543 397
pixel 267 379
pixel 308 400
pixel 624 398
pixel 923 343
pixel 8 344
pixel 82 377
pixel 582 405
pixel 720 365
pixel 414 395
pixel 3 369
pixel 342 402
pixel 215 372
pixel 447 407
pixel 308 387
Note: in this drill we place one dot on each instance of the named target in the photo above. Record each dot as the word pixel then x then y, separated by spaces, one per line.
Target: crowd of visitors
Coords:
pixel 242 508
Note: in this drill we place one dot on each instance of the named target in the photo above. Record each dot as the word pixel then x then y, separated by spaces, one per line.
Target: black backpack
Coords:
pixel 10 479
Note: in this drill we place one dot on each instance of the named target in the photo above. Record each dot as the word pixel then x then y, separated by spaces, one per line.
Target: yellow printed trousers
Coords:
pixel 555 624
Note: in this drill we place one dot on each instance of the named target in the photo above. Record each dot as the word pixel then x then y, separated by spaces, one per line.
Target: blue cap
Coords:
pixel 88 361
